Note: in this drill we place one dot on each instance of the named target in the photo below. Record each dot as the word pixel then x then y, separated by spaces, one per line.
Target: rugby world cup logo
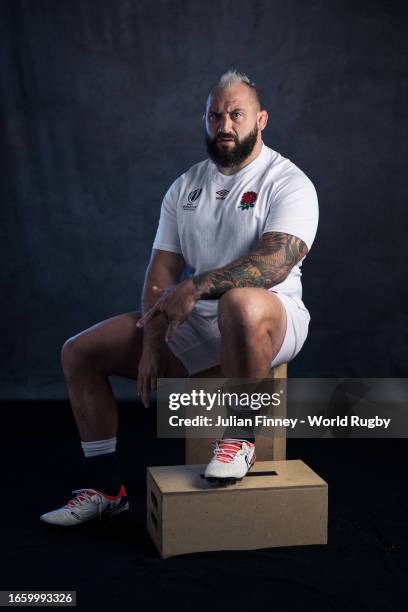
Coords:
pixel 192 199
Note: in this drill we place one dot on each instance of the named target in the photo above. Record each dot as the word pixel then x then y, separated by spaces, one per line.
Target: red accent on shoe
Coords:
pixel 122 493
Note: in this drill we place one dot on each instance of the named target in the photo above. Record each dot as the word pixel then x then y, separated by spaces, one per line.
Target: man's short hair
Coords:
pixel 232 77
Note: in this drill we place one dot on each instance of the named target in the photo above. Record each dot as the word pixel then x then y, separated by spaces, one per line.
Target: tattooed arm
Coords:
pixel 268 265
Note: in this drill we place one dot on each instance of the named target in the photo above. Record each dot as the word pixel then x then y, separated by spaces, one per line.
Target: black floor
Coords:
pixel 363 567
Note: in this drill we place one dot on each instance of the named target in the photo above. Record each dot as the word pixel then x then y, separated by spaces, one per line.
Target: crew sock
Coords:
pixel 99 447
pixel 101 467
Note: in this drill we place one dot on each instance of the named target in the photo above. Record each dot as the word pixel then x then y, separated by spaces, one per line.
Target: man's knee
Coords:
pixel 243 310
pixel 101 346
pixel 73 354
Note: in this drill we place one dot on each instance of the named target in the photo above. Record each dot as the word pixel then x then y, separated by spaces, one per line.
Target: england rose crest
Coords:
pixel 248 200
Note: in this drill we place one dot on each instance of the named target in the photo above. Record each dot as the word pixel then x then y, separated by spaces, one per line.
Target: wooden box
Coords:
pixel 279 503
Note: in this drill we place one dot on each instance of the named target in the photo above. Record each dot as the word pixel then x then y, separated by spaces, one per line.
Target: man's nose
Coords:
pixel 225 124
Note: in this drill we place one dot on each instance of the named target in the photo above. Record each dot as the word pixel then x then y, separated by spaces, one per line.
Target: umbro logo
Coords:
pixel 192 199
pixel 222 194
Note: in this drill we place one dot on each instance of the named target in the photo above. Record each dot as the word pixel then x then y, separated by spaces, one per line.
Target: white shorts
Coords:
pixel 197 341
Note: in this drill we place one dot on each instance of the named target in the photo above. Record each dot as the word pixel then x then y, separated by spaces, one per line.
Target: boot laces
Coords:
pixel 83 496
pixel 227 449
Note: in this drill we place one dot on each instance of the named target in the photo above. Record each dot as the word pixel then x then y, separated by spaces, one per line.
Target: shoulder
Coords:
pixel 286 174
pixel 190 176
pixel 195 171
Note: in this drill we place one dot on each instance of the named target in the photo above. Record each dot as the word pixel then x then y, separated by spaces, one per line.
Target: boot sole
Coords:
pixel 229 480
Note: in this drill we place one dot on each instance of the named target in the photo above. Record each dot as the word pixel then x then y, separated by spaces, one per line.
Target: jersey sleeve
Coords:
pixel 294 208
pixel 167 235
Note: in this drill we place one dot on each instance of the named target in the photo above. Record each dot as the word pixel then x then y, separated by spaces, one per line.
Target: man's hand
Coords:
pixel 175 303
pixel 151 367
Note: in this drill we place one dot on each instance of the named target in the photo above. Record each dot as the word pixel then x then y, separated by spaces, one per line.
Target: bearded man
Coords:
pixel 241 222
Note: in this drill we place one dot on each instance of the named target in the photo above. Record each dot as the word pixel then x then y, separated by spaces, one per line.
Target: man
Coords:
pixel 242 221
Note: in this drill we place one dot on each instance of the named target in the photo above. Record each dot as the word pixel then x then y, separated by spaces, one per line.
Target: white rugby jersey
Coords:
pixel 213 219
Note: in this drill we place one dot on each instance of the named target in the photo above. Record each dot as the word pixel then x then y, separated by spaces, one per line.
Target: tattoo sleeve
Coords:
pixel 268 265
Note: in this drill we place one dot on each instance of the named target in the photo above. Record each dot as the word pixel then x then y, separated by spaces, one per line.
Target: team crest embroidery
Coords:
pixel 192 199
pixel 248 200
pixel 222 194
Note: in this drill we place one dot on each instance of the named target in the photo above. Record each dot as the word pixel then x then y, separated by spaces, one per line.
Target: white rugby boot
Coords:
pixel 232 460
pixel 87 505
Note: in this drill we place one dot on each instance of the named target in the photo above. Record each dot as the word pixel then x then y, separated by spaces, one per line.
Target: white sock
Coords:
pixel 99 447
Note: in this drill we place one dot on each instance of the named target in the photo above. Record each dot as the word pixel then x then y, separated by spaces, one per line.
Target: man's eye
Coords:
pixel 213 116
pixel 236 114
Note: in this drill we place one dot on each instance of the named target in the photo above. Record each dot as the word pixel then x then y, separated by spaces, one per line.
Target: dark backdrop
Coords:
pixel 101 110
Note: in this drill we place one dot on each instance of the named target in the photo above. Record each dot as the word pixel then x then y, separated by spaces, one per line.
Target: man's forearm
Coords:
pixel 266 266
pixel 155 328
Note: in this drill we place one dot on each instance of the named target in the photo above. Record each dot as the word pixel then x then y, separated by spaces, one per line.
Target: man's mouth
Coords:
pixel 225 139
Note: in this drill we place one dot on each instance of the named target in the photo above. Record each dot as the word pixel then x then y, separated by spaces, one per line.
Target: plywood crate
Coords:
pixel 280 503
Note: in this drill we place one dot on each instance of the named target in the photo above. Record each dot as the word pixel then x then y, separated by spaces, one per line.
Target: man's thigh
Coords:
pixel 114 347
pixel 198 341
pixel 286 321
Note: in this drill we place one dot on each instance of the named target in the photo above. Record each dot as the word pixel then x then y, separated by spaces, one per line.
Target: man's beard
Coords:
pixel 226 158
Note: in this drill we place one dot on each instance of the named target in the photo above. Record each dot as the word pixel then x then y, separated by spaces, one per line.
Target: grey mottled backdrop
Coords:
pixel 101 110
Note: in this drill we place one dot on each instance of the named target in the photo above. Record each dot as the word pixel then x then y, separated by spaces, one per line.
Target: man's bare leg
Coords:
pixel 110 348
pixel 252 323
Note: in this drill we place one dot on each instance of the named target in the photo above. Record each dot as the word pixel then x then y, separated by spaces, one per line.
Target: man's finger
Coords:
pixel 146 392
pixel 171 330
pixel 148 315
pixel 158 289
pixel 153 383
pixel 141 384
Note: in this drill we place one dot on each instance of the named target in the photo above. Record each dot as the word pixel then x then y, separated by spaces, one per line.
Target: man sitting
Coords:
pixel 242 221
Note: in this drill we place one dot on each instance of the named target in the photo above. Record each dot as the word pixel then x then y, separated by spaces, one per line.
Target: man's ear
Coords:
pixel 262 119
